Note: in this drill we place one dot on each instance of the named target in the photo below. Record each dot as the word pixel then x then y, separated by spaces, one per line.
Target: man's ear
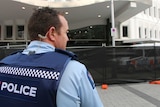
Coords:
pixel 51 33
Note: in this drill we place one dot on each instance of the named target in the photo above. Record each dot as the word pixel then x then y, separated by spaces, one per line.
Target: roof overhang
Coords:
pixel 131 8
pixel 81 16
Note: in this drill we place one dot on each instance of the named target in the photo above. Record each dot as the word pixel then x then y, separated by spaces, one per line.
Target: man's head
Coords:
pixel 50 26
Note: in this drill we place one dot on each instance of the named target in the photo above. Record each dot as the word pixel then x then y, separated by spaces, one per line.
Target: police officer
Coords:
pixel 45 74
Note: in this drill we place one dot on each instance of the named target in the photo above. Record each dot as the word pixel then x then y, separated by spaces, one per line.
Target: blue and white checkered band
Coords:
pixel 28 72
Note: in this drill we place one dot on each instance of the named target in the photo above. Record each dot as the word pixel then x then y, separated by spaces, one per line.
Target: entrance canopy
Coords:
pixel 80 13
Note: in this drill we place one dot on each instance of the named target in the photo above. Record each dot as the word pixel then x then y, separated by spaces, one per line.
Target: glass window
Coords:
pixel 145 32
pixel 155 34
pixel 155 12
pixel 149 11
pixel 125 31
pixel 90 35
pixel 89 32
pixel 140 35
pixel 150 33
pixel 159 13
pixel 20 32
pixel 9 31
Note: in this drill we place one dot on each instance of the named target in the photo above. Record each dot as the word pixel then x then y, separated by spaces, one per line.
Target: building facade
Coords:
pixel 142 23
pixel 142 27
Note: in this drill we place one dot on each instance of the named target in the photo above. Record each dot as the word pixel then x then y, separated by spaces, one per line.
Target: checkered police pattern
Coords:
pixel 29 72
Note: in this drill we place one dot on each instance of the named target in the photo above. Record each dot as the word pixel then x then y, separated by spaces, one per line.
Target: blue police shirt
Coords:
pixel 76 88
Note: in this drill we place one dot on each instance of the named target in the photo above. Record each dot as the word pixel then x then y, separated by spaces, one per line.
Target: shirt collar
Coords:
pixel 38 47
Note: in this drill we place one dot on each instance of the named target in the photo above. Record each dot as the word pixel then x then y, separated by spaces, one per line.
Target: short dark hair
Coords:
pixel 41 20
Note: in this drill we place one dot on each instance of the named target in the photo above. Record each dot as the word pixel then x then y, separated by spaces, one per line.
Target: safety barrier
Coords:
pixel 111 65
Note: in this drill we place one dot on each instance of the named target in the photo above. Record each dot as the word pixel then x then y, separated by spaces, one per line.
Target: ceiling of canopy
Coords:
pixel 78 10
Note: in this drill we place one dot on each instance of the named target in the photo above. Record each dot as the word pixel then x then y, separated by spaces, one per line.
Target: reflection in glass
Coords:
pixel 90 35
pixel 20 32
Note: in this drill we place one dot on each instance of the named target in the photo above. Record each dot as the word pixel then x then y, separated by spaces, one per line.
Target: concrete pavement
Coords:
pixel 131 95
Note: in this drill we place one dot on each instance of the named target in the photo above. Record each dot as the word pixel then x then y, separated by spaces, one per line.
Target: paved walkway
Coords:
pixel 131 95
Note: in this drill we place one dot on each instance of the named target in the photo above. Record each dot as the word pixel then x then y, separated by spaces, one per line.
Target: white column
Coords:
pixel 113 30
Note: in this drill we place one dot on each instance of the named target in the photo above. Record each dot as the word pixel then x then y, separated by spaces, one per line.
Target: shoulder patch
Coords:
pixel 90 79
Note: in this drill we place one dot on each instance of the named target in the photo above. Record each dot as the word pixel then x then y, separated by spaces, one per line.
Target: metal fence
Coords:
pixel 116 64
pixel 121 64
